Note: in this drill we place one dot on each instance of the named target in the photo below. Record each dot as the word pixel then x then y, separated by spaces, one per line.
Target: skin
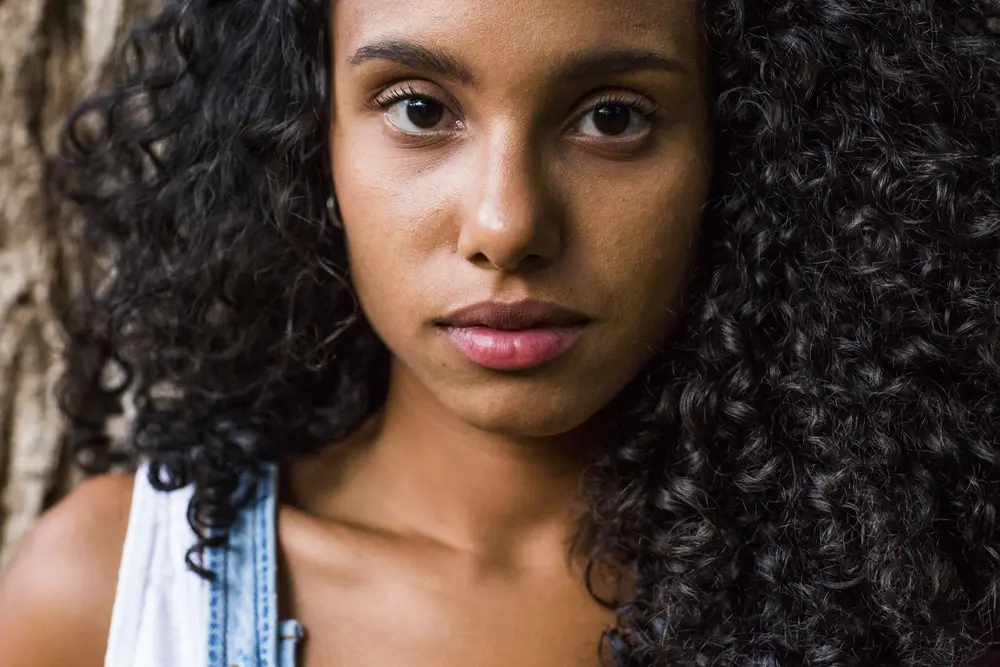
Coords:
pixel 437 534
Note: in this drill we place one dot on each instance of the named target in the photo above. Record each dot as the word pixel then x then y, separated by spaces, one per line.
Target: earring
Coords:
pixel 331 206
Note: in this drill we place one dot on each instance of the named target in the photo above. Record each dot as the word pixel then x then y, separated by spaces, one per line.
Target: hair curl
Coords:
pixel 811 470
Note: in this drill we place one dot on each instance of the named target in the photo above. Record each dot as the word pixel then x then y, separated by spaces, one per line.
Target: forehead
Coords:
pixel 499 31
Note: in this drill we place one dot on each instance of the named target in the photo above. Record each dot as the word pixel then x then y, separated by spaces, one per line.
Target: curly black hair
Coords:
pixel 809 473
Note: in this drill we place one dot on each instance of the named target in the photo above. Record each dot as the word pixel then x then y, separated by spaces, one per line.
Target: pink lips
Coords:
pixel 513 350
pixel 513 336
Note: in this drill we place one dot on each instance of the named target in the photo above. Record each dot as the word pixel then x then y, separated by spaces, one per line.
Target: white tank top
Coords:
pixel 160 610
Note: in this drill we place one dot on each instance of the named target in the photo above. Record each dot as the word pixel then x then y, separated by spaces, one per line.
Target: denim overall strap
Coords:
pixel 242 620
pixel 292 633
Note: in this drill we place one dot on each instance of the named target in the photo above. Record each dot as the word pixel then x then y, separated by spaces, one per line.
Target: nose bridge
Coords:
pixel 507 218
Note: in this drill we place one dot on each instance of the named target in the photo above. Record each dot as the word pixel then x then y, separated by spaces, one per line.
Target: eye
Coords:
pixel 412 112
pixel 417 114
pixel 617 117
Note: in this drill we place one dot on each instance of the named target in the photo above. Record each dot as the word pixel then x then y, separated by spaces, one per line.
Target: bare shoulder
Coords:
pixel 57 593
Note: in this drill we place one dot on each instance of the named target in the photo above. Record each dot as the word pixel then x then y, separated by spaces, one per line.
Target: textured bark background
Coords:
pixel 51 53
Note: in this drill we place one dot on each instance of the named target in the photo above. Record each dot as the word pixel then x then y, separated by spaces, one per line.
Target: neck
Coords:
pixel 418 471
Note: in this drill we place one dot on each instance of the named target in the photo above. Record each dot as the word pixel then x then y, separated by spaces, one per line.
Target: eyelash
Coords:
pixel 387 99
pixel 641 103
pixel 644 105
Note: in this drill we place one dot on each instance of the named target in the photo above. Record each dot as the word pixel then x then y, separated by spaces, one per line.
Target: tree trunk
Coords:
pixel 51 53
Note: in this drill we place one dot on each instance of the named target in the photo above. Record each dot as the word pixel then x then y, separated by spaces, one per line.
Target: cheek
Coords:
pixel 374 221
pixel 394 229
pixel 642 244
pixel 388 198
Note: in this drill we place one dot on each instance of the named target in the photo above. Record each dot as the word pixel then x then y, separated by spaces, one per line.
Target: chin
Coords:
pixel 522 412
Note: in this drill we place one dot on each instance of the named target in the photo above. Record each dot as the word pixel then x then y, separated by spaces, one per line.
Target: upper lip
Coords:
pixel 513 315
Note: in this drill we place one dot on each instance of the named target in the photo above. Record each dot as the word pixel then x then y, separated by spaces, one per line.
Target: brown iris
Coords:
pixel 424 112
pixel 612 119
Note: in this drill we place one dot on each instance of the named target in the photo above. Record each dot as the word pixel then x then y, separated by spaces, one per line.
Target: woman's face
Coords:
pixel 510 150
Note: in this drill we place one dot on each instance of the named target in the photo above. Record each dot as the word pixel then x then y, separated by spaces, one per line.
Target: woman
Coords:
pixel 563 333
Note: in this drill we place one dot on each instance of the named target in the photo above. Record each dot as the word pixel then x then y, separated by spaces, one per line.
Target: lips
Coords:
pixel 514 316
pixel 513 336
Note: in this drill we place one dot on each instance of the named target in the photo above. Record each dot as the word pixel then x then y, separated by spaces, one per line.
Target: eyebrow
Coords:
pixel 415 56
pixel 574 66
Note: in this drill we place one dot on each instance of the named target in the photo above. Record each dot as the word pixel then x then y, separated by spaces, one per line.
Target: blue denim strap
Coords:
pixel 291 634
pixel 243 615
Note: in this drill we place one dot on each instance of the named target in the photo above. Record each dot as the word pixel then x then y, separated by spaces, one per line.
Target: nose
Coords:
pixel 509 222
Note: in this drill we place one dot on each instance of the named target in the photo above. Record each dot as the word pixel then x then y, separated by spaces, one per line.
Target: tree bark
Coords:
pixel 52 52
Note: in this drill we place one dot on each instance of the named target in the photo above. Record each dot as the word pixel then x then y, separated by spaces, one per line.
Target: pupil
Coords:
pixel 612 119
pixel 425 114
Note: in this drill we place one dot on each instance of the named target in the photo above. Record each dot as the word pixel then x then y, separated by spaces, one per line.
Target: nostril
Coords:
pixel 525 262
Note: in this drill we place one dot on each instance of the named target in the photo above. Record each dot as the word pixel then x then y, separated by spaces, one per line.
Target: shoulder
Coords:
pixel 58 591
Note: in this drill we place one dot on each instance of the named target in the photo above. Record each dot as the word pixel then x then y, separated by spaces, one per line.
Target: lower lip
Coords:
pixel 513 350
